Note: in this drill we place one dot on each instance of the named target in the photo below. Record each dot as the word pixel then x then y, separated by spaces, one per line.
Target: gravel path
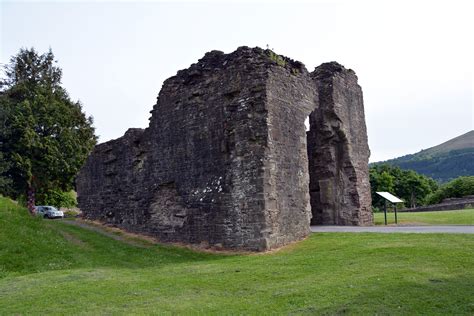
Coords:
pixel 453 229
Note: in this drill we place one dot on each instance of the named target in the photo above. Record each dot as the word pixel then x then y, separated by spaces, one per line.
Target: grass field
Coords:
pixel 458 217
pixel 50 267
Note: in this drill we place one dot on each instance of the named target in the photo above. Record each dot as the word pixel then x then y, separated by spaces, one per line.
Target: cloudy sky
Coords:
pixel 413 58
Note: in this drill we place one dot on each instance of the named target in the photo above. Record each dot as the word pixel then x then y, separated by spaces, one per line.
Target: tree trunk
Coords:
pixel 31 199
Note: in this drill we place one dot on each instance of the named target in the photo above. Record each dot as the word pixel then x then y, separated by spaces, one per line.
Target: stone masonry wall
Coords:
pixel 338 150
pixel 223 162
pixel 445 205
pixel 207 135
pixel 291 97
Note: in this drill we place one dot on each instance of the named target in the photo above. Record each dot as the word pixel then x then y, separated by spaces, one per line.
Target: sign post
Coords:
pixel 392 199
pixel 395 210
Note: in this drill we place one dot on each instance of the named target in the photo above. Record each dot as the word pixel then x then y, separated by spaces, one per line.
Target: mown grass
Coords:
pixel 50 267
pixel 458 217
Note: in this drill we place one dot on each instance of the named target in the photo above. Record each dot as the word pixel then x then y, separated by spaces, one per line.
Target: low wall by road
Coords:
pixel 446 205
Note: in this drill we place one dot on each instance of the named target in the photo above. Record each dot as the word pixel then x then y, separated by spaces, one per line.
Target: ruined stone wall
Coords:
pixel 223 162
pixel 208 135
pixel 196 174
pixel 338 150
pixel 291 96
pixel 448 204
pixel 107 185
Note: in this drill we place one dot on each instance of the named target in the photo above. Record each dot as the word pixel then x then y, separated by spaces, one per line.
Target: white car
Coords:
pixel 49 212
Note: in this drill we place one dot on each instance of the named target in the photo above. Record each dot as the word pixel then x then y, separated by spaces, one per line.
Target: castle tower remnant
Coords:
pixel 224 161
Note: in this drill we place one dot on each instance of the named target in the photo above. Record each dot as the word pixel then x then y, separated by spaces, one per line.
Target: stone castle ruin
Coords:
pixel 226 161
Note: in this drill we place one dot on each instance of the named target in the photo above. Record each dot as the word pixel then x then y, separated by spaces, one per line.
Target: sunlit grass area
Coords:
pixel 458 217
pixel 51 267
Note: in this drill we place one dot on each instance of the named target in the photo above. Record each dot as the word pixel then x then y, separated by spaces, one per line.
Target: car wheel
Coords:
pixel 46 216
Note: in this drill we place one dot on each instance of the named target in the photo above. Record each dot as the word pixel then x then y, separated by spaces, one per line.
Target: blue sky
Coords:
pixel 413 58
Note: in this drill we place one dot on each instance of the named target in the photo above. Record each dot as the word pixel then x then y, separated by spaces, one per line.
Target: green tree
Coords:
pixel 413 187
pixel 410 186
pixel 5 181
pixel 456 188
pixel 46 136
pixel 380 181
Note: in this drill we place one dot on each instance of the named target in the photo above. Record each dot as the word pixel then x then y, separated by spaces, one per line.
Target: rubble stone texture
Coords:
pixel 338 150
pixel 224 161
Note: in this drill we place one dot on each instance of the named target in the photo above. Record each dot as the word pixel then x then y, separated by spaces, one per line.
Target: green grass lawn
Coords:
pixel 458 217
pixel 50 267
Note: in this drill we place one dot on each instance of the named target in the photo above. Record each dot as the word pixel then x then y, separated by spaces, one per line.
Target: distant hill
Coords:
pixel 443 162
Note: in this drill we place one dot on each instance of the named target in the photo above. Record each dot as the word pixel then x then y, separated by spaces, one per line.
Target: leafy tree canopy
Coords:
pixel 45 137
pixel 410 186
pixel 456 188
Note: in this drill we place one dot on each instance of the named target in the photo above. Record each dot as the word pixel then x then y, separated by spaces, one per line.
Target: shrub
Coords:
pixel 71 213
pixel 58 198
pixel 456 188
pixel 277 59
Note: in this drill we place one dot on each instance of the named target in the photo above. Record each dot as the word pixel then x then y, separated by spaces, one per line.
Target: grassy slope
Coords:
pixel 458 217
pixel 51 267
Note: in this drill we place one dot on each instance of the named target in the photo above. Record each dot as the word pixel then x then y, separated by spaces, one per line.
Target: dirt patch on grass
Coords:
pixel 112 232
pixel 69 237
pixel 145 241
pixel 73 239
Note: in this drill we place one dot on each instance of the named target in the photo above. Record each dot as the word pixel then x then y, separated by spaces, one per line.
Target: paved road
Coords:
pixel 454 229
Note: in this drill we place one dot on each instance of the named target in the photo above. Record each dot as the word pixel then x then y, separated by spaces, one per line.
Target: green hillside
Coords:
pixel 464 141
pixel 54 268
pixel 443 162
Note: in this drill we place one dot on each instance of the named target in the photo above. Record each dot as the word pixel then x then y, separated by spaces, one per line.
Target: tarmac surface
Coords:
pixel 450 229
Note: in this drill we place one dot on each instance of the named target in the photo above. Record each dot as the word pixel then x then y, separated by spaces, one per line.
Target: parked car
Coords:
pixel 48 211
